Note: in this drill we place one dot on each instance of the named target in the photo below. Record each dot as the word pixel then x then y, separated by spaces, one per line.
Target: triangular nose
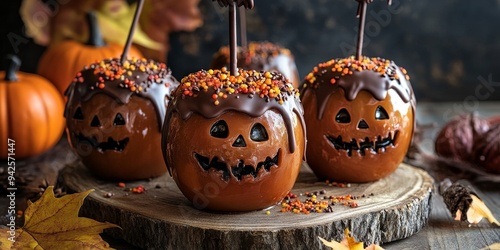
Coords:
pixel 239 142
pixel 362 124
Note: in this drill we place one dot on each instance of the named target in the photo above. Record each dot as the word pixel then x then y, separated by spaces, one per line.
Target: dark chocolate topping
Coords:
pixel 375 75
pixel 141 77
pixel 214 92
pixel 249 4
pixel 256 56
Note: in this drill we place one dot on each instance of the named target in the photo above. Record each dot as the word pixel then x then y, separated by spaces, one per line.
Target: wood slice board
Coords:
pixel 162 218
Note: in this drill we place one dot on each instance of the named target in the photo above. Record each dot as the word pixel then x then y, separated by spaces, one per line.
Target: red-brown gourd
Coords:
pixel 62 61
pixel 30 112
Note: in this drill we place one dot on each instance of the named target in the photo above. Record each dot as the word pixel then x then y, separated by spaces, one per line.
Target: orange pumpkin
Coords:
pixel 60 63
pixel 31 112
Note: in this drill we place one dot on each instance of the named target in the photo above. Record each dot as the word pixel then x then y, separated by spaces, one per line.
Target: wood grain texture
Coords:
pixel 163 218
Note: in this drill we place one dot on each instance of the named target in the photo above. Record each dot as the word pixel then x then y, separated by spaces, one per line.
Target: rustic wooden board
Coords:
pixel 162 218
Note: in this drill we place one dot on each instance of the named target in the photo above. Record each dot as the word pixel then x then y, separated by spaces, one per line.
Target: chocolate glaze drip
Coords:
pixel 249 4
pixel 257 56
pixel 202 103
pixel 375 83
pixel 260 56
pixel 155 84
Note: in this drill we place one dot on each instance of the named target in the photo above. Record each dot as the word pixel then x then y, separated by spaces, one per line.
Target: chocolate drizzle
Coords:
pixel 193 99
pixel 146 79
pixel 382 76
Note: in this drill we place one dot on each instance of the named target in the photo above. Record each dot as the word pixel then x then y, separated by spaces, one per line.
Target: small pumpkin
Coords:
pixel 60 63
pixel 31 112
pixel 360 118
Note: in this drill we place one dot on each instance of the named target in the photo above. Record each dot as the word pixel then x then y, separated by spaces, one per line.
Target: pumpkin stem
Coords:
pixel 95 37
pixel 13 64
pixel 128 44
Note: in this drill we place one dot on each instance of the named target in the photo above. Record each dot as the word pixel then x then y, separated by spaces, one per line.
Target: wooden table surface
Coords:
pixel 441 232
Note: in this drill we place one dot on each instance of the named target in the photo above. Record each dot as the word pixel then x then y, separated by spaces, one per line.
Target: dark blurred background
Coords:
pixel 451 49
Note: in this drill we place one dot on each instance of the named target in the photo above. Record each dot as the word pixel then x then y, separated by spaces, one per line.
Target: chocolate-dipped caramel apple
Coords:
pixel 359 114
pixel 261 56
pixel 234 143
pixel 114 115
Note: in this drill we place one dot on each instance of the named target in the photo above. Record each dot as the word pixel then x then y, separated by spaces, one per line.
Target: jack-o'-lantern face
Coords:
pixel 107 136
pixel 246 160
pixel 361 136
pixel 239 153
pixel 114 125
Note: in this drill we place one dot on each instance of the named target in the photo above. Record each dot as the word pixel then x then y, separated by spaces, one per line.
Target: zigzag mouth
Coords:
pixel 239 171
pixel 110 144
pixel 377 146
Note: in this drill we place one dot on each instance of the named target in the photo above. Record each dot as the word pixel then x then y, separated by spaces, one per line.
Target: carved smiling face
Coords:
pixel 360 124
pixel 242 154
pixel 116 131
pixel 108 136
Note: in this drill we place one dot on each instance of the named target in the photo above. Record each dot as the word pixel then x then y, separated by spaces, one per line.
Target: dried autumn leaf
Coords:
pixel 161 17
pixel 53 223
pixel 478 210
pixel 348 243
pixel 459 198
pixel 115 24
pixel 495 246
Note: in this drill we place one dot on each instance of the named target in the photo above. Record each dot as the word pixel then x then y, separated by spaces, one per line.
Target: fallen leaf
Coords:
pixel 348 243
pixel 478 210
pixel 464 204
pixel 495 246
pixel 115 22
pixel 53 223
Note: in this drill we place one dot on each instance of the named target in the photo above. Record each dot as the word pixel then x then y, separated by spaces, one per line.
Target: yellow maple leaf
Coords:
pixel 348 243
pixel 53 223
pixel 115 25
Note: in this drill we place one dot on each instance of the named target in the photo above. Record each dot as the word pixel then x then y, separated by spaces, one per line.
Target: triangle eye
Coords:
pixel 78 114
pixel 95 122
pixel 381 114
pixel 118 120
pixel 343 116
pixel 219 129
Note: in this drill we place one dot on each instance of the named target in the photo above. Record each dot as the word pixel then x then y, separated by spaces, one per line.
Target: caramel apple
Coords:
pixel 359 117
pixel 114 116
pixel 234 142
pixel 261 56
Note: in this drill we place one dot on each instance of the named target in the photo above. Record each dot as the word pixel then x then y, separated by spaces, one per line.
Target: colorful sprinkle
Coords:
pixel 266 85
pixel 347 66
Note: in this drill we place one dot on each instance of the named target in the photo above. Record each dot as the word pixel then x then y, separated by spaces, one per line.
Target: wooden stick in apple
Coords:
pixel 138 11
pixel 233 40
pixel 361 14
